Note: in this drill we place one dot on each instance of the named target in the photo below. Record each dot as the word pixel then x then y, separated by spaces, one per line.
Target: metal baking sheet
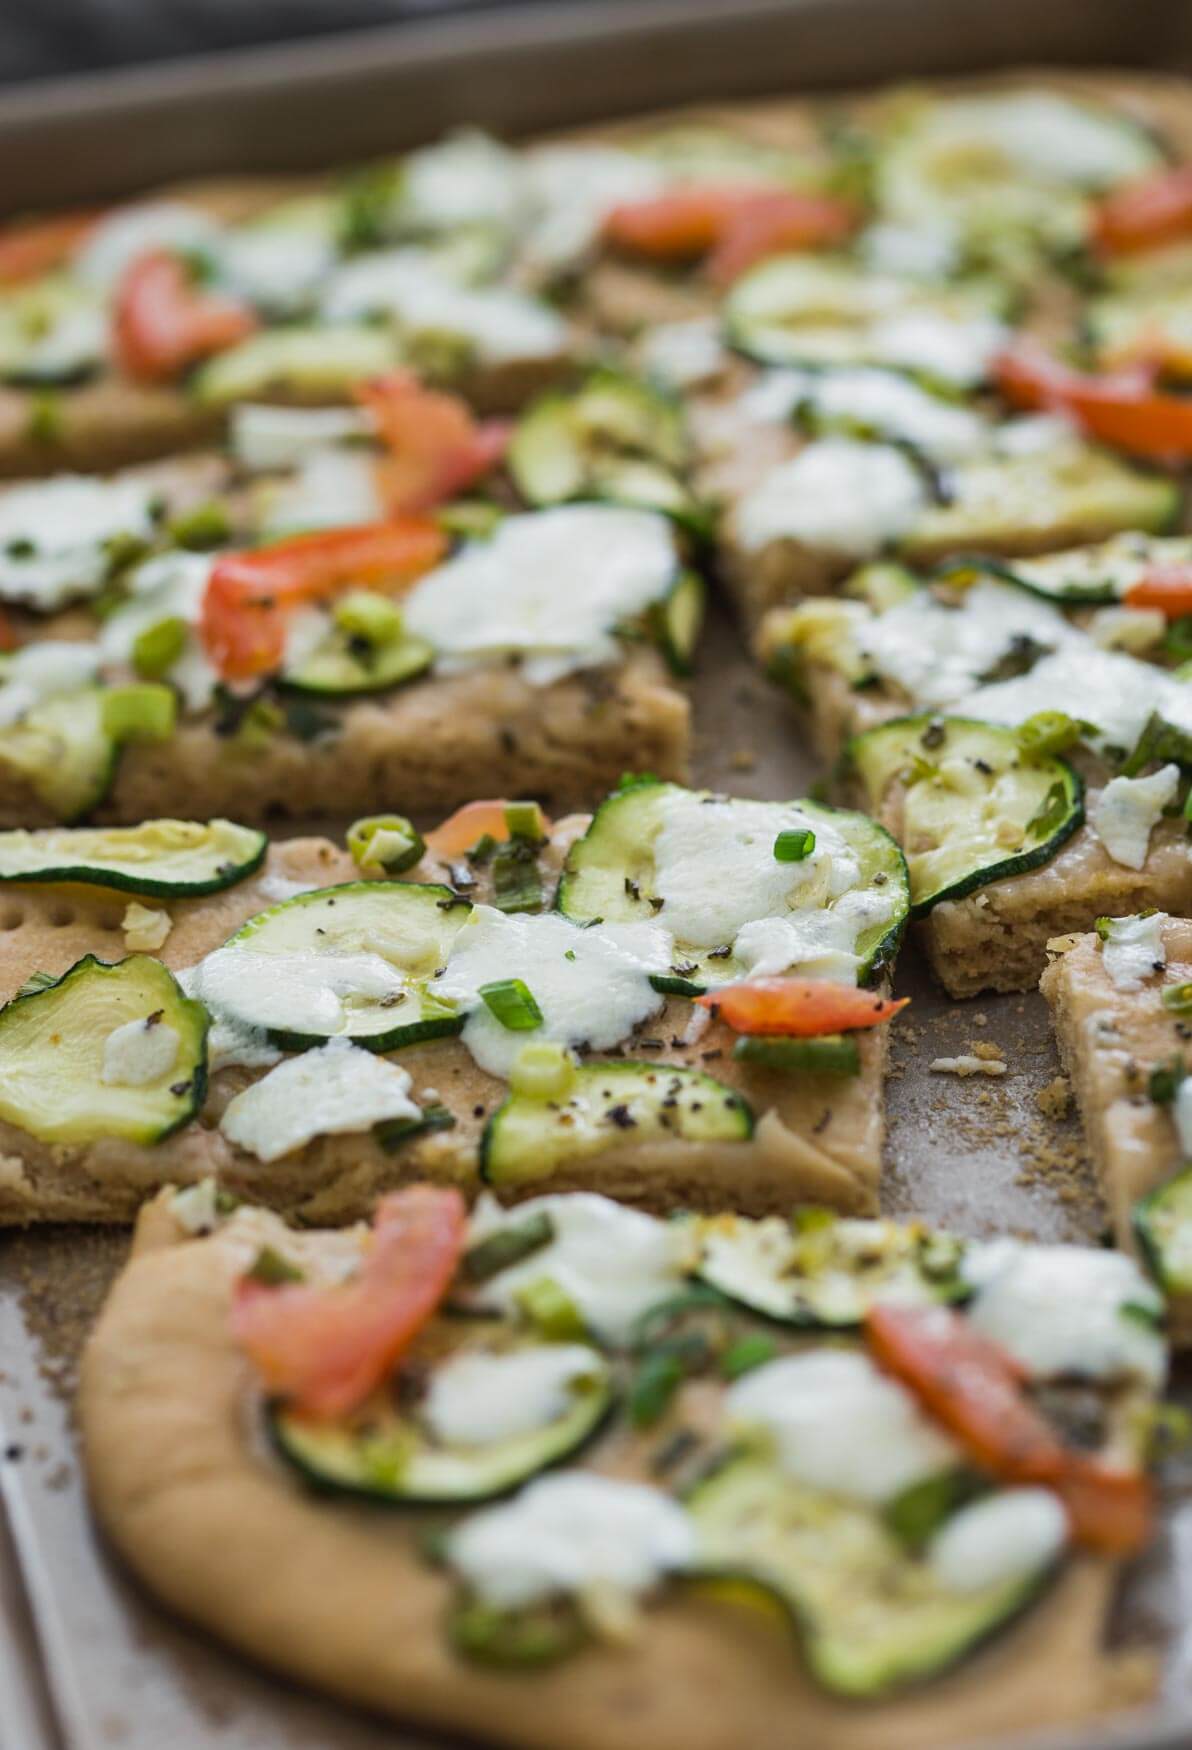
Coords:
pixel 89 1663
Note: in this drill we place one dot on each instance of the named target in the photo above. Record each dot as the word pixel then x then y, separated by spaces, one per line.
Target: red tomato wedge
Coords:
pixel 740 224
pixel 324 1349
pixel 436 447
pixel 163 322
pixel 33 247
pixel 799 1007
pixel 974 1390
pixel 1145 214
pixel 469 824
pixel 1168 587
pixel 1122 408
pixel 249 594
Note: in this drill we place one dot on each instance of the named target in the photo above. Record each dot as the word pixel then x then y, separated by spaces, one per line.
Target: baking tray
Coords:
pixel 107 1670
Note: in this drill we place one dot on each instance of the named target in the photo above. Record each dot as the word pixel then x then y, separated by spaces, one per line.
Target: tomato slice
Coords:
pixel 774 222
pixel 249 594
pixel 1168 587
pixel 799 1007
pixel 436 447
pixel 163 322
pixel 1122 408
pixel 324 1349
pixel 1145 214
pixel 469 824
pixel 974 1389
pixel 33 247
pixel 739 224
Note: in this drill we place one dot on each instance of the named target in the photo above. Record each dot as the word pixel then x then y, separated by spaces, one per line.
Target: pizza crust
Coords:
pixel 337 1597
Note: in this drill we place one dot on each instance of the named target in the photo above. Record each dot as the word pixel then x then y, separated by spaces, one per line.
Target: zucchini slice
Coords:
pixel 527 1139
pixel 409 925
pixel 609 873
pixel 822 1271
pixel 343 666
pixel 871 1617
pixel 1163 1226
pixel 386 1451
pixel 64 1079
pixel 63 752
pixel 308 363
pixel 975 807
pixel 815 313
pixel 1051 499
pixel 678 619
pixel 615 440
pixel 166 858
pixel 1100 572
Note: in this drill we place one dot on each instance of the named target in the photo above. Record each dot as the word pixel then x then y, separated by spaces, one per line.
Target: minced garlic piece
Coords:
pixel 145 930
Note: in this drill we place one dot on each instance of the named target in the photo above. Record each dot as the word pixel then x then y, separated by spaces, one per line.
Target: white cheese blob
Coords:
pixel 568 1533
pixel 1135 630
pixel 330 488
pixel 498 323
pixel 138 1053
pixel 910 251
pixel 37 672
pixel 681 355
pixel 1034 434
pixel 956 351
pixel 1064 1311
pixel 839 1424
pixel 71 339
pixel 549 587
pixel 278 268
pixel 170 586
pixel 477 1398
pixel 334 1089
pixel 815 942
pixel 571 189
pixel 300 992
pixel 1044 135
pixel 1114 692
pixel 845 497
pixel 114 243
pixel 1127 811
pixel 613 1263
pixel 54 535
pixel 937 652
pixel 891 406
pixel 1132 949
pixel 265 438
pixel 196 1207
pixel 591 985
pixel 468 179
pixel 1010 1535
pixel 1180 1243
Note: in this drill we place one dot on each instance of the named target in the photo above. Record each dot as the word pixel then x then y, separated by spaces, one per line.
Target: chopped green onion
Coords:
pixel 158 647
pixel 832 1054
pixel 658 1378
pixel 385 841
pixel 542 1070
pixel 508 1246
pixel 391 1133
pixel 259 724
pixel 207 525
pixel 1048 732
pixel 517 885
pixel 1177 998
pixel 363 613
pixel 535 1635
pixel 550 1309
pixel 139 713
pixel 793 845
pixel 272 1269
pixel 471 519
pixel 511 1001
pixel 37 981
pixel 524 820
pixel 917 1512
pixel 44 425
pixel 1165 1079
pixel 747 1353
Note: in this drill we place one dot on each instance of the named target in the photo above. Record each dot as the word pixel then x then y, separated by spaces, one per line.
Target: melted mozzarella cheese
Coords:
pixel 911 251
pixel 1010 1535
pixel 477 1398
pixel 1067 1310
pixel 564 1535
pixel 334 1089
pixel 332 487
pixel 306 993
pixel 1045 135
pixel 1127 811
pixel 937 653
pixel 954 350
pixel 1132 949
pixel 613 1263
pixel 572 188
pixel 498 323
pixel 468 179
pixel 839 1424
pixel 54 535
pixel 816 943
pixel 592 985
pixel 1182 1239
pixel 266 438
pixel 37 672
pixel 845 497
pixel 894 407
pixel 277 267
pixel 170 586
pixel 138 1053
pixel 549 587
pixel 114 243
pixel 681 355
pixel 1116 693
